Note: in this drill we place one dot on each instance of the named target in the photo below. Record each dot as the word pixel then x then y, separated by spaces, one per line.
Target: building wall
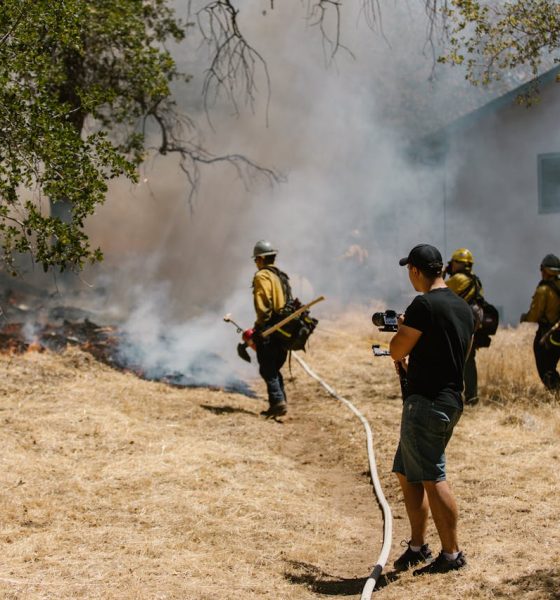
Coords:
pixel 491 198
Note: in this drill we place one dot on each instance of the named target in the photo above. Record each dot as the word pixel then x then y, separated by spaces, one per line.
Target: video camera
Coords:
pixel 389 321
pixel 386 321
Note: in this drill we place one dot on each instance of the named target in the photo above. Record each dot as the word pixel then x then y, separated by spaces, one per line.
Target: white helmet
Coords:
pixel 263 248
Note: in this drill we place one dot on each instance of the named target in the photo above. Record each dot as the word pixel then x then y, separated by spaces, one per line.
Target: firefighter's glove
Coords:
pixel 248 335
pixel 252 337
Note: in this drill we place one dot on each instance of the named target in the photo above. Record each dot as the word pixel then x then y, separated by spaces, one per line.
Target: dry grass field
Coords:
pixel 114 487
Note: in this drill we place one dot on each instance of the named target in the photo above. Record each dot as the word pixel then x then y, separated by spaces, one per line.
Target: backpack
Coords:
pixel 488 324
pixel 294 334
pixel 486 315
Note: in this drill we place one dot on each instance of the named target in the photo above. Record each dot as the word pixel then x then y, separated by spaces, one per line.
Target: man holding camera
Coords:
pixel 432 342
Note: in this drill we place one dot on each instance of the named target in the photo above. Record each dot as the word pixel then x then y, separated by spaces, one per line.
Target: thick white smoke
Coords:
pixel 353 202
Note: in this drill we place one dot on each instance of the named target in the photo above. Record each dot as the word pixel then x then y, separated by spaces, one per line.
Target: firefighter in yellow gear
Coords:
pixel 545 310
pixel 466 284
pixel 268 294
pixel 271 290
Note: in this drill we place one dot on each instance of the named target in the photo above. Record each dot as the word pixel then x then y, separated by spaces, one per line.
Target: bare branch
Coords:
pixel 235 61
pixel 179 136
pixel 318 15
pixel 371 10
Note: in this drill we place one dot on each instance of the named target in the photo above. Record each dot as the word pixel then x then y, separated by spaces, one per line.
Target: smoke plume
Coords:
pixel 340 128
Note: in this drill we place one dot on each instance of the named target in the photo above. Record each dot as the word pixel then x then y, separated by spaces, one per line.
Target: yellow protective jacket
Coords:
pixel 268 295
pixel 545 305
pixel 462 284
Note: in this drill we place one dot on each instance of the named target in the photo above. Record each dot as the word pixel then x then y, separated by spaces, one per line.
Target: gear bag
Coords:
pixel 294 334
pixel 486 315
pixel 488 323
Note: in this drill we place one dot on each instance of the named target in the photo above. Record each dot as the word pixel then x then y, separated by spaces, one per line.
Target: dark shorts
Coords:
pixel 426 428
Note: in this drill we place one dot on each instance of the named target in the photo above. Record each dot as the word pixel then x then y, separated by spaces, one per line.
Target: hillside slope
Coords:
pixel 114 487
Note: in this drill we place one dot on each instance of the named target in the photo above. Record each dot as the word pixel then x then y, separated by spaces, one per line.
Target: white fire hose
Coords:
pixel 387 517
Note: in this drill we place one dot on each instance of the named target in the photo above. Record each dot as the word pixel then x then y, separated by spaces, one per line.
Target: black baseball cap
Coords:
pixel 424 257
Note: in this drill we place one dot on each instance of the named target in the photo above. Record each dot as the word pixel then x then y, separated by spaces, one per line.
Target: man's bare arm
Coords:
pixel 403 342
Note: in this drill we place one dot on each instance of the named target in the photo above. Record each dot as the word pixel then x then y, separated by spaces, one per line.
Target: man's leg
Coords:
pixel 444 513
pixel 281 356
pixel 269 371
pixel 555 362
pixel 416 503
pixel 552 377
pixel 546 360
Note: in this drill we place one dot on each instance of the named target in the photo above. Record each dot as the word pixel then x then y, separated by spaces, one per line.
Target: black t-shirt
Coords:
pixel 436 363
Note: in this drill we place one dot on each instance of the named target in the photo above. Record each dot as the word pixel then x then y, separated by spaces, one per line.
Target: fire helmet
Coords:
pixel 263 248
pixel 551 263
pixel 463 255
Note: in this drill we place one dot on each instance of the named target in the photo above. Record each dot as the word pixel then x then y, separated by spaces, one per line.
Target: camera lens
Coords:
pixel 378 319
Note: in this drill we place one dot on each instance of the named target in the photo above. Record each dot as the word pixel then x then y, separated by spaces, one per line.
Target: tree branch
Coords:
pixel 234 61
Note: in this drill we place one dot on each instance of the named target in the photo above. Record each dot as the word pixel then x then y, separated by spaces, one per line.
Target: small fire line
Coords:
pixel 107 344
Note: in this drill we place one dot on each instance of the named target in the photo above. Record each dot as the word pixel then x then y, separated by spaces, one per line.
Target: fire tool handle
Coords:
pixel 295 314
